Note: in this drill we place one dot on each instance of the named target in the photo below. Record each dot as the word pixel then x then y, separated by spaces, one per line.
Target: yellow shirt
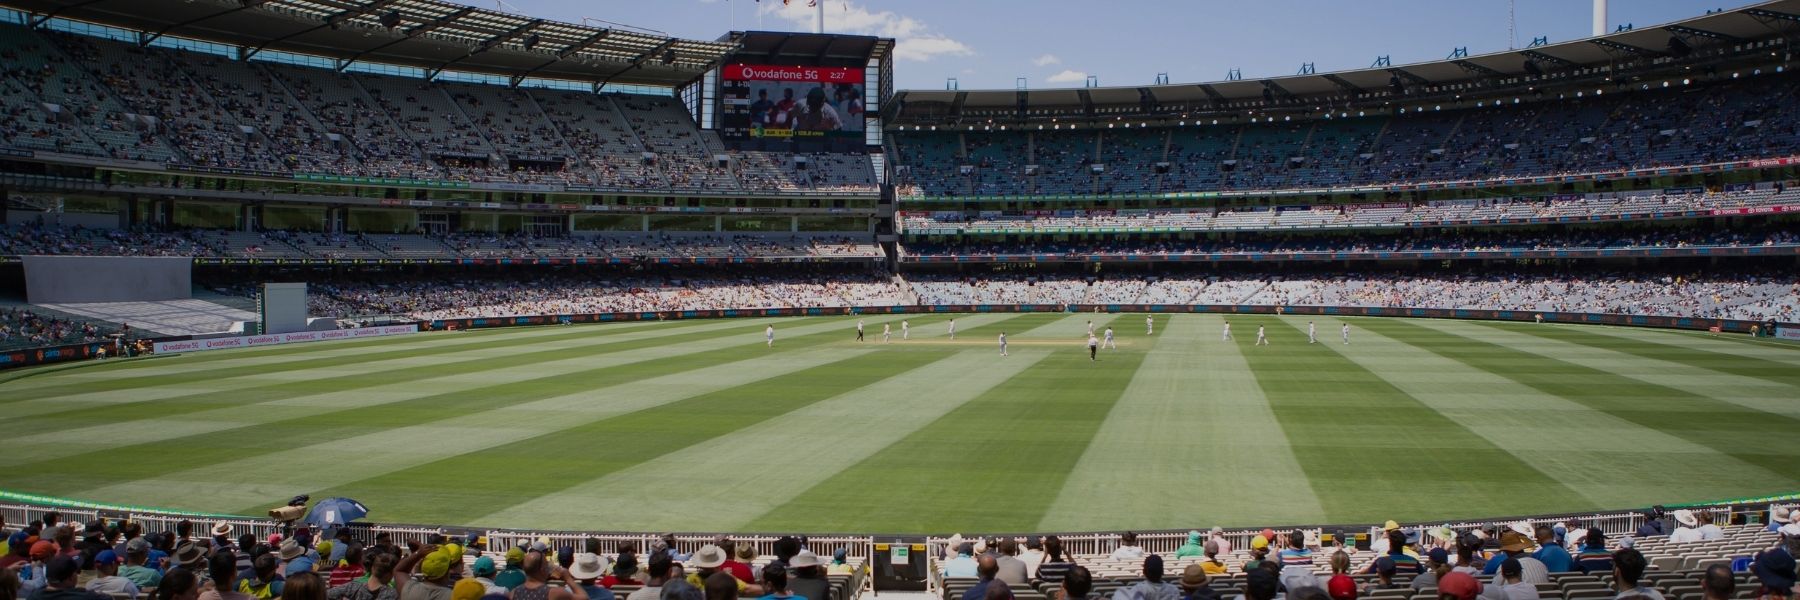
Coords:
pixel 1212 568
pixel 694 580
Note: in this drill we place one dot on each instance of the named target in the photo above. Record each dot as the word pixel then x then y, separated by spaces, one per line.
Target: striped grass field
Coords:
pixel 699 426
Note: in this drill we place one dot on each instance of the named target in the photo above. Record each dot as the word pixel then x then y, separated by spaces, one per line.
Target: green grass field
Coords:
pixel 698 426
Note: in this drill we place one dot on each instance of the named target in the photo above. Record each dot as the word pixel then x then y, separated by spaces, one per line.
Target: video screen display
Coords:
pixel 761 101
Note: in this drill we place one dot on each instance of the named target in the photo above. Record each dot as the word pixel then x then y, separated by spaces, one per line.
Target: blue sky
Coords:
pixel 1057 43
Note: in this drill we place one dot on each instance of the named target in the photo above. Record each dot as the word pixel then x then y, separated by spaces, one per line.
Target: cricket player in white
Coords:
pixel 887 331
pixel 1227 337
pixel 1149 325
pixel 1003 343
pixel 905 329
pixel 859 330
pixel 1346 334
pixel 769 334
pixel 1312 333
pixel 1261 340
pixel 1090 329
pixel 1109 340
pixel 1093 347
pixel 953 329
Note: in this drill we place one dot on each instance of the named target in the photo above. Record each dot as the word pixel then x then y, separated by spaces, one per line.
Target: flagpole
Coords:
pixel 820 5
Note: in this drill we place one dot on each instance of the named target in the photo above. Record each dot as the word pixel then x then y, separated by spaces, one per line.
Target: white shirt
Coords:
pixel 1128 553
pixel 1685 534
pixel 1092 341
pixel 1109 333
pixel 859 326
pixel 113 585
pixel 1710 531
pixel 1003 339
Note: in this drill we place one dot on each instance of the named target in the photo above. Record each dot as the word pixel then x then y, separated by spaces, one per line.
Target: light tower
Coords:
pixel 1599 18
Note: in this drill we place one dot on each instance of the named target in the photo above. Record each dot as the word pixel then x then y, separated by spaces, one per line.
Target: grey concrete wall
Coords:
pixel 68 279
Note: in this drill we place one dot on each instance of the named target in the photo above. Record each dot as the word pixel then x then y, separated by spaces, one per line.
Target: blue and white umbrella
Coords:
pixel 333 512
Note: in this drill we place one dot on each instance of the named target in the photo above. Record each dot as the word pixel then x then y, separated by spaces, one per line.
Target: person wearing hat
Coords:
pixel 1458 585
pixel 18 549
pixel 467 589
pixel 963 565
pixel 1384 570
pixel 1512 544
pixel 1437 563
pixel 1379 544
pixel 433 564
pixel 191 556
pixel 484 570
pixel 1775 571
pixel 1193 581
pixel 1340 586
pixel 107 580
pixel 587 569
pixel 1259 550
pixel 513 575
pixel 1193 548
pixel 59 581
pixel 708 560
pixel 296 558
pixel 137 553
pixel 1403 562
pixel 1778 516
pixel 1152 587
pixel 625 569
pixel 809 577
pixel 1687 527
pixel 221 533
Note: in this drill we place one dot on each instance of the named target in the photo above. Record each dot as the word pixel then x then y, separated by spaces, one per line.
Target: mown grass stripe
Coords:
pixel 1192 422
pixel 993 463
pixel 1547 431
pixel 197 392
pixel 1755 394
pixel 1364 443
pixel 1728 428
pixel 191 362
pixel 311 366
pixel 849 427
pixel 1718 362
pixel 224 410
pixel 103 468
pixel 617 426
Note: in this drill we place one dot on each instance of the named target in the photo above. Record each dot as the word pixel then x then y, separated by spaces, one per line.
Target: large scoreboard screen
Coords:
pixel 791 102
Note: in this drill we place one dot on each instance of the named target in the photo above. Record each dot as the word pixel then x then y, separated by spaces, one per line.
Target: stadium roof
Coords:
pixel 826 50
pixel 429 34
pixel 1756 22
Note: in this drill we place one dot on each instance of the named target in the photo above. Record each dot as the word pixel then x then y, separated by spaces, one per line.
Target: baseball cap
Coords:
pixel 137 546
pixel 1438 555
pixel 1259 542
pixel 60 568
pixel 484 566
pixel 1460 585
pixel 468 589
pixel 1775 569
pixel 106 557
pixel 1341 588
pixel 1385 566
pixel 515 556
pixel 43 550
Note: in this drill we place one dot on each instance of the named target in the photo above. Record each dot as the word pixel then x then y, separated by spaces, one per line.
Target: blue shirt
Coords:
pixel 978 592
pixel 596 592
pixel 961 566
pixel 1493 564
pixel 1556 559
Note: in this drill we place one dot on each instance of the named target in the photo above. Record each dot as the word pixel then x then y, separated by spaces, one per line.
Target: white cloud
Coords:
pixel 968 71
pixel 1046 60
pixel 1068 76
pixel 913 39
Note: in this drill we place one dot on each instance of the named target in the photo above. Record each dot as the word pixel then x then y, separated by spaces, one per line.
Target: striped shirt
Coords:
pixel 1295 556
pixel 1406 563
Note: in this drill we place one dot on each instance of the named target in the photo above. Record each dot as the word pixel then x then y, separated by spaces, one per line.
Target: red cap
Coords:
pixel 1459 584
pixel 43 550
pixel 1342 587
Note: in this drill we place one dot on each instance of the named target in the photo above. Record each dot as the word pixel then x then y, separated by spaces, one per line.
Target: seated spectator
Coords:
pixel 1056 564
pixel 1193 584
pixel 1509 585
pixel 1628 571
pixel 223 573
pixel 1718 583
pixel 1458 585
pixel 775 583
pixel 1340 586
pixel 106 577
pixel 963 565
pixel 587 569
pixel 61 575
pixel 1594 557
pixel 1554 556
pixel 379 584
pixel 1077 584
pixel 1437 563
pixel 1012 570
pixel 1152 587
pixel 985 569
pixel 1128 548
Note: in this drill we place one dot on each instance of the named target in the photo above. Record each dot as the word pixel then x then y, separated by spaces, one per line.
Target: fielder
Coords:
pixel 953 329
pixel 1261 340
pixel 1110 343
pixel 769 334
pixel 1003 343
pixel 1312 333
pixel 1346 331
pixel 887 332
pixel 1090 329
pixel 1227 337
pixel 1093 347
pixel 1149 325
pixel 905 329
pixel 859 330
